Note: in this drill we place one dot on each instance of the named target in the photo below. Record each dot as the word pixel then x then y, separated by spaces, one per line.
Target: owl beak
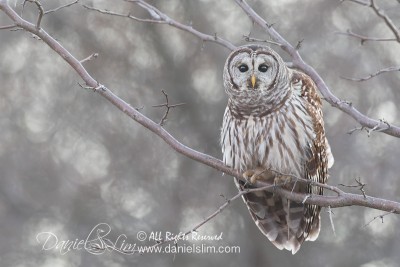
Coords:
pixel 253 80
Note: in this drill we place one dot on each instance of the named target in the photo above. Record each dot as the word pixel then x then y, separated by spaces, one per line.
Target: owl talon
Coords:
pixel 258 174
pixel 247 175
pixel 282 180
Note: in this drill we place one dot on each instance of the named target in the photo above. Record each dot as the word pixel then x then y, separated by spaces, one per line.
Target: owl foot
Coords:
pixel 252 176
pixel 282 180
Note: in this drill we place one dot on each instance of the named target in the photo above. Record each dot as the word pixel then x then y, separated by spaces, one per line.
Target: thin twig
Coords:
pixel 89 58
pixel 41 11
pixel 361 128
pixel 376 128
pixel 360 2
pixel 108 12
pixel 359 184
pixel 8 27
pixel 168 106
pixel 385 70
pixel 330 212
pixel 364 38
pixel 378 217
pixel 61 7
pixel 247 38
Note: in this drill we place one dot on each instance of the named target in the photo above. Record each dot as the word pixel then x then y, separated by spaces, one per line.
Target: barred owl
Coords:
pixel 272 130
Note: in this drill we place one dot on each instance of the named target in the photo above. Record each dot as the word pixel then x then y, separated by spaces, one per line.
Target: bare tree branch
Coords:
pixel 364 39
pixel 387 20
pixel 378 217
pixel 158 17
pixel 298 62
pixel 168 106
pixel 342 199
pixel 247 38
pixel 360 186
pixel 360 2
pixel 108 12
pixel 41 11
pixel 330 212
pixel 7 27
pixel 370 76
pixel 61 7
pixel 380 13
pixel 369 131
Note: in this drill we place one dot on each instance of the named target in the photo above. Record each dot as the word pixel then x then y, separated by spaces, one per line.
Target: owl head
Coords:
pixel 254 71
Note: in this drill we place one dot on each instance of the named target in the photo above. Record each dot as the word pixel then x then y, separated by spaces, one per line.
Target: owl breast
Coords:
pixel 277 141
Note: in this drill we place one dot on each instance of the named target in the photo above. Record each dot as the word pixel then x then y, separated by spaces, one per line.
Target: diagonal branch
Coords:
pixel 7 27
pixel 61 7
pixel 372 75
pixel 158 17
pixel 108 12
pixel 342 199
pixel 378 217
pixel 380 13
pixel 360 2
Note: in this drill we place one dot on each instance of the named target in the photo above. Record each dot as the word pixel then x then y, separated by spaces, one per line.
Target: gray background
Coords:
pixel 70 160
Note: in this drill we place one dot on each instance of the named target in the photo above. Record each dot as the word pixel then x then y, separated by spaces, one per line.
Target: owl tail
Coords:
pixel 285 223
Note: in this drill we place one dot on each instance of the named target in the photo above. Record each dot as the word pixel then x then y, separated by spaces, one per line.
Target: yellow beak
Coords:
pixel 253 80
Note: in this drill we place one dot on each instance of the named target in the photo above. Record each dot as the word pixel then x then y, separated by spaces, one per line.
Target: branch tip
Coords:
pixel 168 107
pixel 61 7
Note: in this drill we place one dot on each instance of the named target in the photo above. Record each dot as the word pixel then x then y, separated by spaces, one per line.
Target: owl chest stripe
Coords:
pixel 269 141
pixel 292 127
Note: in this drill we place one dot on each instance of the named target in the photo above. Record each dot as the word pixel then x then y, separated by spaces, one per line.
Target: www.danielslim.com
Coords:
pixel 184 248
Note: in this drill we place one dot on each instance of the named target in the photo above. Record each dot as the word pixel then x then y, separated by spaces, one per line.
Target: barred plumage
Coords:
pixel 274 122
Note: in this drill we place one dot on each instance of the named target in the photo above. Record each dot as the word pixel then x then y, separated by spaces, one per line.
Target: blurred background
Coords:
pixel 69 160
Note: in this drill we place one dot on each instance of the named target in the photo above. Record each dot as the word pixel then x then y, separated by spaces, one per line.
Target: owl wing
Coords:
pixel 309 93
pixel 319 155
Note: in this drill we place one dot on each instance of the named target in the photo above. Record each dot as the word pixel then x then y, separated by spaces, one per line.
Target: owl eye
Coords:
pixel 243 68
pixel 263 68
